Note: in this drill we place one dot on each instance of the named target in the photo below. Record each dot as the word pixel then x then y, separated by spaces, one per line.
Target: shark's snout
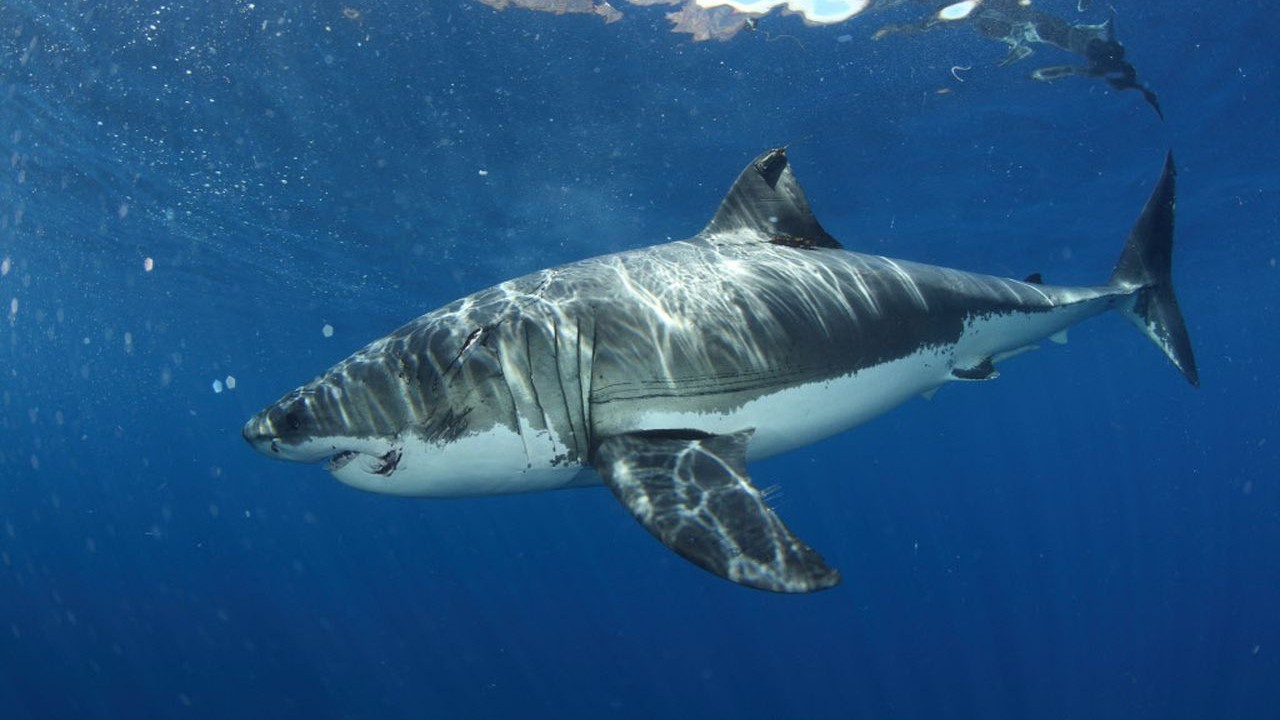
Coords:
pixel 315 423
pixel 260 432
pixel 286 430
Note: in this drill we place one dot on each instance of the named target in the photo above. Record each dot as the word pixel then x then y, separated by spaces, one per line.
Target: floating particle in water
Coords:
pixel 148 265
pixel 13 308
pixel 217 386
pixel 327 330
pixel 7 263
pixel 231 382
pixel 483 173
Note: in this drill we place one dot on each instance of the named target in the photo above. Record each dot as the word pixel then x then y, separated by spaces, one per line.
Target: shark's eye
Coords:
pixel 292 421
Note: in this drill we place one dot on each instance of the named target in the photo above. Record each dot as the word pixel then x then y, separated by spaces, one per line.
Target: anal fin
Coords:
pixel 692 491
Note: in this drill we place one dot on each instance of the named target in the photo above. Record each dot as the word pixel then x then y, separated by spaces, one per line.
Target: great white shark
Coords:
pixel 662 372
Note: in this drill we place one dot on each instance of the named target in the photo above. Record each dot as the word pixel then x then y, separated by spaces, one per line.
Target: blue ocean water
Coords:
pixel 194 191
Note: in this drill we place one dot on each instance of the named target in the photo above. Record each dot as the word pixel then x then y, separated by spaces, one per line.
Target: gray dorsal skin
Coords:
pixel 662 372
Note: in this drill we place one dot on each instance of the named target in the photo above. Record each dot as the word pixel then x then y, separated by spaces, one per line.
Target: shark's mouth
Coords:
pixel 377 465
pixel 339 461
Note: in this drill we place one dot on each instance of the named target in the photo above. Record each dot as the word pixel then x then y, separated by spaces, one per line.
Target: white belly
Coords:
pixel 494 462
pixel 797 416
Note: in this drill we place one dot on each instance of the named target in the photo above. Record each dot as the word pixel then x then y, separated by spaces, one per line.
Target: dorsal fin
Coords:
pixel 1034 279
pixel 767 198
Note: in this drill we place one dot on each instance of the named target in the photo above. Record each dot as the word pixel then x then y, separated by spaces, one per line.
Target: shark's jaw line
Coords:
pixel 493 462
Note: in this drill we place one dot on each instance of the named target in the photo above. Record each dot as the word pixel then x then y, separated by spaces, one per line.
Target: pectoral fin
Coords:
pixel 692 491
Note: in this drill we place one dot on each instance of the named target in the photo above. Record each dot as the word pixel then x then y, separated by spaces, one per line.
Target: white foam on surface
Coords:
pixel 823 12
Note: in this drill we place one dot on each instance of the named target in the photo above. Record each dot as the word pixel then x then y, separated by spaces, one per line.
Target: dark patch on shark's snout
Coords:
pixel 387 463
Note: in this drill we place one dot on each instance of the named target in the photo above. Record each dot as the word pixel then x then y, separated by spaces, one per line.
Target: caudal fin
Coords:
pixel 1144 271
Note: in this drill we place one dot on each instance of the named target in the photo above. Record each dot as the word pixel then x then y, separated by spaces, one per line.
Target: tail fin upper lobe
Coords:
pixel 1144 269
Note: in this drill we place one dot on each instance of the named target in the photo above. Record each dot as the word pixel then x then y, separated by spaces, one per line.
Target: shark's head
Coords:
pixel 425 414
pixel 367 430
pixel 330 418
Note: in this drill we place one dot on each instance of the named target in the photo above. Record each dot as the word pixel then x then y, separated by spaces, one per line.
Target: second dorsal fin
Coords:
pixel 767 199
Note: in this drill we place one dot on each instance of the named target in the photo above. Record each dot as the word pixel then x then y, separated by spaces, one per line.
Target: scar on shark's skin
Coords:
pixel 1019 26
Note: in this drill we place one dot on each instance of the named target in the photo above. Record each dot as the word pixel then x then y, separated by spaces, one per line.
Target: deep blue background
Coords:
pixel 1086 537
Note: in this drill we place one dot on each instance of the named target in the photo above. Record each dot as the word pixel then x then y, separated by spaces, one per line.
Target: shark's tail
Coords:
pixel 1144 272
